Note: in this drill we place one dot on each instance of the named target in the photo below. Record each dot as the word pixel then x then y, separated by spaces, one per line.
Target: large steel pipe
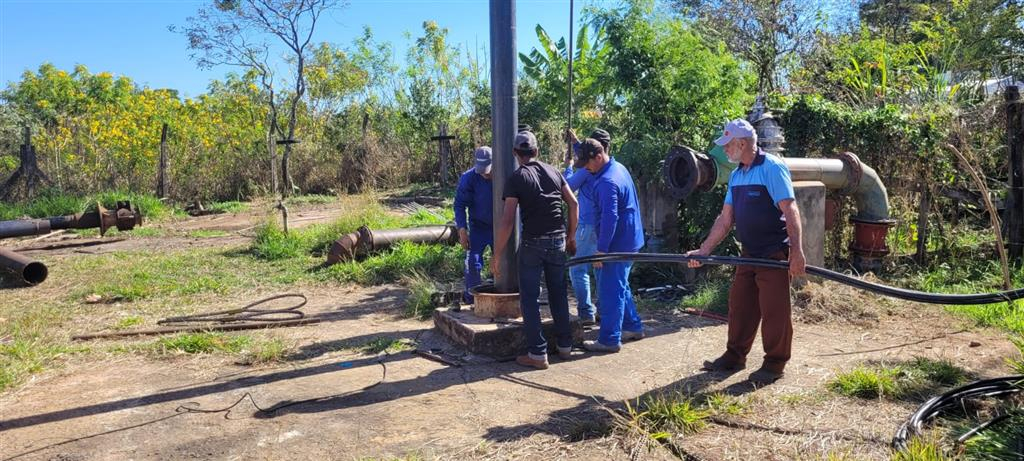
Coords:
pixel 504 116
pixel 124 217
pixel 366 241
pixel 687 171
pixel 22 228
pixel 30 271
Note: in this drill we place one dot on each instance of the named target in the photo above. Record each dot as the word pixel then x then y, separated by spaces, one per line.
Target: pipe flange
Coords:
pixel 854 172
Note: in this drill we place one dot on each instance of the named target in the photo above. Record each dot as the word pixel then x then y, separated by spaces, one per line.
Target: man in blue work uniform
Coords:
pixel 476 233
pixel 619 229
pixel 581 182
pixel 761 203
pixel 548 236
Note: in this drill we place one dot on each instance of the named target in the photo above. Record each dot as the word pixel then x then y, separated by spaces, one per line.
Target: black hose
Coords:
pixel 901 293
pixel 952 398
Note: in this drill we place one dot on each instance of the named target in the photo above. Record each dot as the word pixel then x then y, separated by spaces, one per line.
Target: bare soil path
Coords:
pixel 329 399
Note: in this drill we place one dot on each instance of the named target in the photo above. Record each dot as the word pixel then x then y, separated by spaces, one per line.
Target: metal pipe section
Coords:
pixel 687 170
pixel 124 217
pixel 366 241
pixel 22 228
pixel 504 119
pixel 29 271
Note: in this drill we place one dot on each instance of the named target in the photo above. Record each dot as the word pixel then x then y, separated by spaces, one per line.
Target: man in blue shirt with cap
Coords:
pixel 475 234
pixel 582 183
pixel 619 229
pixel 761 203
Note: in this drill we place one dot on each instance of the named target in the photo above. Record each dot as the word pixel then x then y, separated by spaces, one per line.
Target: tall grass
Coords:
pixel 53 203
pixel 272 243
pixel 443 263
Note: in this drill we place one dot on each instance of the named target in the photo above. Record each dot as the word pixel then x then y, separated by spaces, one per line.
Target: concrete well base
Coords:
pixel 500 338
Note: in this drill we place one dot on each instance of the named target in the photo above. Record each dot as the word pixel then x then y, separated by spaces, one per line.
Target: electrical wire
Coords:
pixel 900 293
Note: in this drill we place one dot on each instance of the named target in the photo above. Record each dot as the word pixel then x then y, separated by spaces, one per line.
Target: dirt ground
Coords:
pixel 326 401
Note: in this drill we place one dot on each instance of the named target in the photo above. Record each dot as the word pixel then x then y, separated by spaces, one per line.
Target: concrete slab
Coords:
pixel 493 337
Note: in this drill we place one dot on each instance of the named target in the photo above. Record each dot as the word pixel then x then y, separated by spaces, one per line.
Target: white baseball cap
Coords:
pixel 738 128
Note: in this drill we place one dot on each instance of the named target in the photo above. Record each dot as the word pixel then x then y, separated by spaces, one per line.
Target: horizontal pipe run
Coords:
pixel 28 270
pixel 24 228
pixel 366 241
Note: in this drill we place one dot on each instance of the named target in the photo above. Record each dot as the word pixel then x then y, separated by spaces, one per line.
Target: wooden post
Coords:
pixel 922 224
pixel 161 175
pixel 444 151
pixel 1015 146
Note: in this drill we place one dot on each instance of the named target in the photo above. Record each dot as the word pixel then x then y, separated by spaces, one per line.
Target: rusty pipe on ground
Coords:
pixel 30 271
pixel 123 217
pixel 365 241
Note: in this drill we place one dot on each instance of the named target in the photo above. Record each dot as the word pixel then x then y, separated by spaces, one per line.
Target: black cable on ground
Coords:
pixel 901 293
pixel 953 398
pixel 247 312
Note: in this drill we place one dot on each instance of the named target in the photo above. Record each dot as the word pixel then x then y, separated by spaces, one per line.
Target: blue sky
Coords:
pixel 130 37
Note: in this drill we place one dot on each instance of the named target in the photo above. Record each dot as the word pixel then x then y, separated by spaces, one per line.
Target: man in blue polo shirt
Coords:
pixel 760 202
pixel 475 234
pixel 582 183
pixel 619 229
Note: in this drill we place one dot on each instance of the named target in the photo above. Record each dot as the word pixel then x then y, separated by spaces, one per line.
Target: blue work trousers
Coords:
pixel 586 245
pixel 479 239
pixel 618 310
pixel 547 256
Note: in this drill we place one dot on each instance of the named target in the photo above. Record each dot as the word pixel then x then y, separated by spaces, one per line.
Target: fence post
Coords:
pixel 161 175
pixel 444 151
pixel 1015 196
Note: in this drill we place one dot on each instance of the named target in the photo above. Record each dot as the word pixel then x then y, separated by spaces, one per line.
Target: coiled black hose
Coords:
pixel 901 293
pixel 952 398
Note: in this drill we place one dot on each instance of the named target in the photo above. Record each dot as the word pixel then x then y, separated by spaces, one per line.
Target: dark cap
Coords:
pixel 589 149
pixel 525 141
pixel 602 137
pixel 523 127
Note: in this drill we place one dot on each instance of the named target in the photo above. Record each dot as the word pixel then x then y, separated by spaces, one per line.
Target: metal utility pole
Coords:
pixel 504 119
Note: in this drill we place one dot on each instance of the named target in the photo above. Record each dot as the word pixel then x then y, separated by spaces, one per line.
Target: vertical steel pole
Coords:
pixel 504 118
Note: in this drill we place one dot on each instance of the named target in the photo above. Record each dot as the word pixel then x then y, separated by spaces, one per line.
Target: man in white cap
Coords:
pixel 760 202
pixel 475 233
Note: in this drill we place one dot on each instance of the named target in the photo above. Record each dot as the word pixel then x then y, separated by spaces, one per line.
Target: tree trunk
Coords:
pixel 1015 196
pixel 272 150
pixel 28 173
pixel 922 225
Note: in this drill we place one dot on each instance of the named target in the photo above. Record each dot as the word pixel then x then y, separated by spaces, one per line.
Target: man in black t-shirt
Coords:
pixel 538 189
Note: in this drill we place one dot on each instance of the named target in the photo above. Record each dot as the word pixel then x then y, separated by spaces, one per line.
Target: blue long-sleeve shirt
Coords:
pixel 474 193
pixel 619 226
pixel 582 183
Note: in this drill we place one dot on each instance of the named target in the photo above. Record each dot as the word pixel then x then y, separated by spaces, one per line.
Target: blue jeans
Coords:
pixel 586 245
pixel 479 240
pixel 618 310
pixel 547 256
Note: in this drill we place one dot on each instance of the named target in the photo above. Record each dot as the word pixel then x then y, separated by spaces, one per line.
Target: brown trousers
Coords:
pixel 760 295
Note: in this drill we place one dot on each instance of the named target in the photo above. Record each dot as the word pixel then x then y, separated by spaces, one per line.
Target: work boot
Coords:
pixel 594 346
pixel 633 335
pixel 765 376
pixel 588 321
pixel 530 360
pixel 723 364
pixel 565 353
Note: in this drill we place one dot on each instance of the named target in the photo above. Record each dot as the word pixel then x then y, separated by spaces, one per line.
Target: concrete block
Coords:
pixel 499 338
pixel 810 199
